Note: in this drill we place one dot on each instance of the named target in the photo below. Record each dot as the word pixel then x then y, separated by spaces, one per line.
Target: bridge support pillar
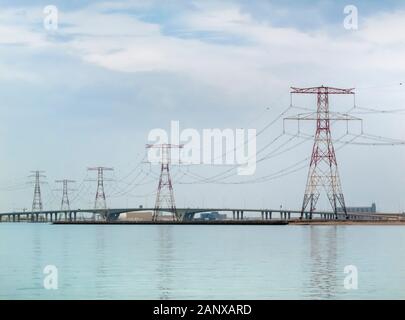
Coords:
pixel 74 216
pixel 13 217
pixel 70 216
pixel 65 216
pixel 237 215
pixel 241 215
pixel 233 215
pixel 262 215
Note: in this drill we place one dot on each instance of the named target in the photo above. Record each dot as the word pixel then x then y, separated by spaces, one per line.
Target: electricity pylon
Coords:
pixel 100 200
pixel 37 200
pixel 323 169
pixel 65 204
pixel 165 194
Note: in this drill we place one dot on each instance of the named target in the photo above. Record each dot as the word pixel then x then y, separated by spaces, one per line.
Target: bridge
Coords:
pixel 188 214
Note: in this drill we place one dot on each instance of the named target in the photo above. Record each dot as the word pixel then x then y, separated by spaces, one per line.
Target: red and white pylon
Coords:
pixel 165 194
pixel 323 169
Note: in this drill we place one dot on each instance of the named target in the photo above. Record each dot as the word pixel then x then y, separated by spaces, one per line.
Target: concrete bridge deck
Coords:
pixel 188 214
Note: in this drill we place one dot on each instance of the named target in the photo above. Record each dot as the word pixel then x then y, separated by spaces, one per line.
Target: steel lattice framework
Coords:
pixel 323 169
pixel 65 203
pixel 165 194
pixel 100 200
pixel 37 201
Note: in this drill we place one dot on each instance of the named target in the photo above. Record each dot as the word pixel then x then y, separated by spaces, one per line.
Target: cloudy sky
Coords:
pixel 88 94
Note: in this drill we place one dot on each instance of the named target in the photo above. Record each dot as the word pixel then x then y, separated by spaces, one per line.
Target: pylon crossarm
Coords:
pixel 332 116
pixel 326 90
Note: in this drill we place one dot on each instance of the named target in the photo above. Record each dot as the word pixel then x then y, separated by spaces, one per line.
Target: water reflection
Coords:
pixel 37 257
pixel 175 262
pixel 101 268
pixel 165 262
pixel 323 273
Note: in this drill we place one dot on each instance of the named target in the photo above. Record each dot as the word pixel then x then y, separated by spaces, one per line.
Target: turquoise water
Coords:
pixel 201 262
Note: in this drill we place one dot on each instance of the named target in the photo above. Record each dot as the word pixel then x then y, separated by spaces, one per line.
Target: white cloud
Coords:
pixel 124 43
pixel 385 29
pixel 139 46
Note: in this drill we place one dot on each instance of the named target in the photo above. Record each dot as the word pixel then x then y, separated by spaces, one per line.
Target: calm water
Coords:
pixel 201 262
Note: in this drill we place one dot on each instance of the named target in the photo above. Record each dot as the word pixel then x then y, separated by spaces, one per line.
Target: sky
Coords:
pixel 89 93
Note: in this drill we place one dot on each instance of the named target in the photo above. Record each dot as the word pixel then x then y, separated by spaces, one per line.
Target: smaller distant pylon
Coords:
pixel 37 201
pixel 65 203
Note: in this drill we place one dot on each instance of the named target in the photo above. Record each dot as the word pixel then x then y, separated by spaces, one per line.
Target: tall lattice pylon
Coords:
pixel 65 204
pixel 100 200
pixel 165 194
pixel 323 169
pixel 37 201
